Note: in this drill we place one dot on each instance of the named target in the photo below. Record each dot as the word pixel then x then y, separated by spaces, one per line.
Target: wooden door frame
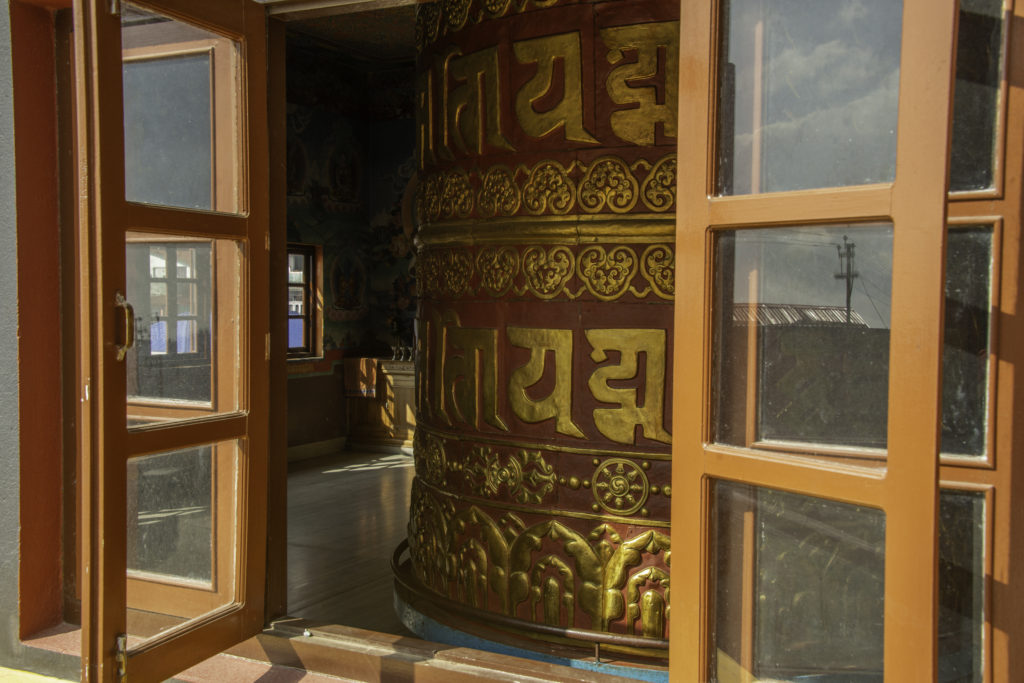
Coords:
pixel 915 204
pixel 104 430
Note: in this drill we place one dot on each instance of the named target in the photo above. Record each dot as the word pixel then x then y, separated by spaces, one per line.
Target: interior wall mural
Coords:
pixel 350 184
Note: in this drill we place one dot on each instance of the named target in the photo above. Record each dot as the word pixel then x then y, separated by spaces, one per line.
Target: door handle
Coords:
pixel 129 325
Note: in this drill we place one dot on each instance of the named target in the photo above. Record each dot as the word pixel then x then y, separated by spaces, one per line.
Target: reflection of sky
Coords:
pixel 798 266
pixel 830 84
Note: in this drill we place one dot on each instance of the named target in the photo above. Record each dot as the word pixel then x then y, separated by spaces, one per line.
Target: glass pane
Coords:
pixel 296 333
pixel 180 125
pixel 806 576
pixel 186 328
pixel 296 268
pixel 296 301
pixel 808 94
pixel 961 585
pixel 977 96
pixel 802 330
pixel 188 297
pixel 965 353
pixel 181 535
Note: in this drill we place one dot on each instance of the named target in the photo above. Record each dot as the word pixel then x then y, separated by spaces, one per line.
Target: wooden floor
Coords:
pixel 346 515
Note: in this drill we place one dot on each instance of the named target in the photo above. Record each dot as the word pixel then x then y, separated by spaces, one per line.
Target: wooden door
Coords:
pixel 811 240
pixel 171 107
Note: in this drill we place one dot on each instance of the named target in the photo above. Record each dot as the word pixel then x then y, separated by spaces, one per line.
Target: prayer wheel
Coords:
pixel 546 134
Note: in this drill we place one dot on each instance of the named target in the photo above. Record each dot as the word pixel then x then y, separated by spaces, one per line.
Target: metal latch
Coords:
pixel 121 657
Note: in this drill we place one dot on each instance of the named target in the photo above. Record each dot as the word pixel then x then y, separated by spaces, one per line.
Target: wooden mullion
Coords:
pixel 860 204
pixel 805 476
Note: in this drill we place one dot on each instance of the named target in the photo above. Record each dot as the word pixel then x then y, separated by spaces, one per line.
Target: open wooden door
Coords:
pixel 171 111
pixel 811 243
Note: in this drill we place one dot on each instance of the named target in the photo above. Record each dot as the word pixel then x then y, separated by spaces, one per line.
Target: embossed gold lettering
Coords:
pixel 618 423
pixel 568 112
pixel 471 375
pixel 425 118
pixel 472 109
pixel 637 124
pixel 558 404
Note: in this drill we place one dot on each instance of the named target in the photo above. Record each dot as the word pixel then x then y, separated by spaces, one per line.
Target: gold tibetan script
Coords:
pixel 618 423
pixel 471 375
pixel 637 124
pixel 472 110
pixel 558 404
pixel 569 111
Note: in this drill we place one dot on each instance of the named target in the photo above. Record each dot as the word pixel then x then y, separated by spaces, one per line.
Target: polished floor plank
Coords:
pixel 346 515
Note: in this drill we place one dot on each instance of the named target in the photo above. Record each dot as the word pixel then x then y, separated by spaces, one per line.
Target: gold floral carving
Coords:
pixel 546 572
pixel 498 193
pixel 498 267
pixel 430 458
pixel 607 274
pixel 659 188
pixel 456 269
pixel 456 12
pixel 446 195
pixel 549 188
pixel 608 182
pixel 547 272
pixel 620 487
pixel 428 23
pixel 608 185
pixel 453 15
pixel 658 266
pixel 526 475
pixel 496 8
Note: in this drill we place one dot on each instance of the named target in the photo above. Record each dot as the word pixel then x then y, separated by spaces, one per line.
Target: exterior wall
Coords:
pixel 12 651
pixel 546 136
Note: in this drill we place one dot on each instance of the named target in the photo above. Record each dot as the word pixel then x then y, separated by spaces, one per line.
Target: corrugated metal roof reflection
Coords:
pixel 794 314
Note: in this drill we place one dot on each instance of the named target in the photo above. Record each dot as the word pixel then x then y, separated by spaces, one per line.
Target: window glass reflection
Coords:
pixel 965 351
pixel 802 328
pixel 809 574
pixel 808 94
pixel 961 585
pixel 977 95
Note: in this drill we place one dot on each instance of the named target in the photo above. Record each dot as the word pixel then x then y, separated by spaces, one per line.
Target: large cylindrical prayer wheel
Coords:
pixel 546 137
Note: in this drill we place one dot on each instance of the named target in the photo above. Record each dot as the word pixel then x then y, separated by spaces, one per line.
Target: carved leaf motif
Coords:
pixel 659 188
pixel 468 556
pixel 498 268
pixel 547 272
pixel 607 274
pixel 608 183
pixel 548 188
pixel 658 266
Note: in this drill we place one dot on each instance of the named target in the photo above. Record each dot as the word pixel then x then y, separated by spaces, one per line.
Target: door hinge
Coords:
pixel 121 657
pixel 115 7
pixel 268 347
pixel 267 240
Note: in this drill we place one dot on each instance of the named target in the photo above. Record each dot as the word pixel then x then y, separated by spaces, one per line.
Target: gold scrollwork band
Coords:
pixel 607 185
pixel 607 273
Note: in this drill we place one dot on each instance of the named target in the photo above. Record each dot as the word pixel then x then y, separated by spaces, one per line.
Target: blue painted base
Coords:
pixel 429 629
